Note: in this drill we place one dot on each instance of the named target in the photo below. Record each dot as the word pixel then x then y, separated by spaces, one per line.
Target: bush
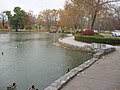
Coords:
pixel 95 39
pixel 88 32
pixel 5 26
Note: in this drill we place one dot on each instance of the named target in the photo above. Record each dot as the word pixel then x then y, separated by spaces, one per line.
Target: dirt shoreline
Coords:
pixel 13 31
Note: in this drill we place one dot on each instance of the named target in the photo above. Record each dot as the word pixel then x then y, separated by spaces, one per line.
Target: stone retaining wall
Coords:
pixel 58 84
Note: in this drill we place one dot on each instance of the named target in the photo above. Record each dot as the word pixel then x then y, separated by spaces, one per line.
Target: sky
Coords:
pixel 31 5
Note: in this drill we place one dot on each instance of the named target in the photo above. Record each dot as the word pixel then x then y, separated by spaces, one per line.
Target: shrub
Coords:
pixel 88 32
pixel 5 26
pixel 95 39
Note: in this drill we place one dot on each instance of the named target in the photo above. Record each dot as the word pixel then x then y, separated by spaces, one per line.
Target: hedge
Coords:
pixel 95 39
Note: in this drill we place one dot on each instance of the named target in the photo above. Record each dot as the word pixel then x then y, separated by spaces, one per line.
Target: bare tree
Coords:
pixel 29 20
pixel 89 9
pixel 50 17
pixel 40 21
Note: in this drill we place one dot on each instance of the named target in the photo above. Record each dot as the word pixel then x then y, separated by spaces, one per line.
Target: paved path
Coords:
pixel 71 41
pixel 102 75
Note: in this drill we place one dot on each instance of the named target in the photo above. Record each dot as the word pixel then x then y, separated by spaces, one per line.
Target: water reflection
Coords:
pixel 30 58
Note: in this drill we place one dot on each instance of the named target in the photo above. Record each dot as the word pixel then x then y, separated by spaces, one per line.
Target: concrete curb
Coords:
pixel 59 83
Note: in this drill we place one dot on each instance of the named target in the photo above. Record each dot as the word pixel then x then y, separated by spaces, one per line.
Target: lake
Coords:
pixel 31 58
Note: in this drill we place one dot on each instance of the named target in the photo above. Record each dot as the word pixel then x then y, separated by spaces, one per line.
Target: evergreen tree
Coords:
pixel 17 20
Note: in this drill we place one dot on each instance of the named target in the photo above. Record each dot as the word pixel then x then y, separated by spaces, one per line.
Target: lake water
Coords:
pixel 30 58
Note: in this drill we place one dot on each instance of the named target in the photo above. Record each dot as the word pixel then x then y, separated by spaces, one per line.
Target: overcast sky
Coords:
pixel 35 5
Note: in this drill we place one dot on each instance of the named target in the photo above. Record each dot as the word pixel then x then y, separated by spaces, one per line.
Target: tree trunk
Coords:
pixel 39 27
pixel 16 30
pixel 16 26
pixel 94 18
pixel 3 21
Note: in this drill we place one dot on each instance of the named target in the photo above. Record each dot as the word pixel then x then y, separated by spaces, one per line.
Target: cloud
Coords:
pixel 34 5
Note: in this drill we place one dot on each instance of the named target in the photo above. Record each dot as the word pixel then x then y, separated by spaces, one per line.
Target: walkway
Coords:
pixel 102 75
pixel 71 41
